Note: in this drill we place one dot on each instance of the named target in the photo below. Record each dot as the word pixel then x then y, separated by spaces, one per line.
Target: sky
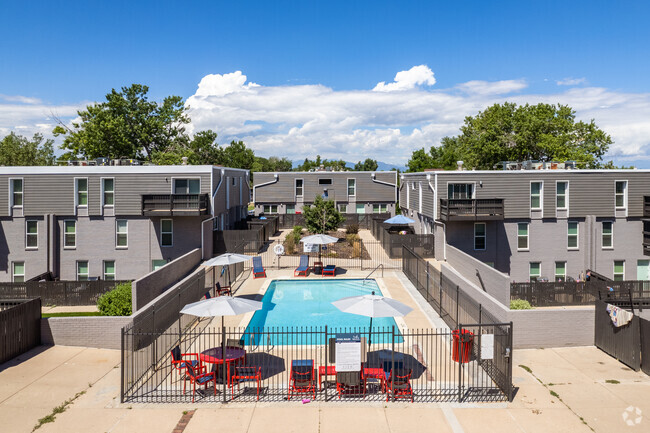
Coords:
pixel 346 80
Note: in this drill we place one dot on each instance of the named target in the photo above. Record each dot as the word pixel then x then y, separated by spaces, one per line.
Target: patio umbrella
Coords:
pixel 372 306
pixel 319 239
pixel 399 220
pixel 221 306
pixel 227 259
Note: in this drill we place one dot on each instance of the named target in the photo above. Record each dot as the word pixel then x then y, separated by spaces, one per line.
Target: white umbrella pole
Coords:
pixel 370 335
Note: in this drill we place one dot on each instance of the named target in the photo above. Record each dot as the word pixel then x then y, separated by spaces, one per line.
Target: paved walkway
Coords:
pixel 31 386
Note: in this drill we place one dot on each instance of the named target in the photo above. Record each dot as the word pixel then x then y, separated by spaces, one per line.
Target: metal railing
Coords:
pixel 178 204
pixel 381 265
pixel 59 292
pixel 552 294
pixel 471 209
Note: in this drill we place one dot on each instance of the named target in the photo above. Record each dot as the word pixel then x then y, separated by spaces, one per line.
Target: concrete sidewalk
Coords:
pixel 30 387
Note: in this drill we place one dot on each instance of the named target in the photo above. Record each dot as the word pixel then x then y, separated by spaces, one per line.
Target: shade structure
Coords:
pixel 372 306
pixel 227 259
pixel 221 306
pixel 399 220
pixel 319 239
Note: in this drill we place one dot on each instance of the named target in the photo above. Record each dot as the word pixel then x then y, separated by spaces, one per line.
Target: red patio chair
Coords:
pixel 244 374
pixel 180 360
pixel 302 379
pixel 198 375
pixel 399 384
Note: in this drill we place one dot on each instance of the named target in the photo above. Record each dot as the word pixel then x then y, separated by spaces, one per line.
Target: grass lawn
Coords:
pixel 71 314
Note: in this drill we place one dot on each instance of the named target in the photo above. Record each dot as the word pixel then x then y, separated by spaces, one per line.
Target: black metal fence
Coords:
pixel 20 327
pixel 269 354
pixel 456 308
pixel 393 241
pixel 626 343
pixel 59 292
pixel 551 294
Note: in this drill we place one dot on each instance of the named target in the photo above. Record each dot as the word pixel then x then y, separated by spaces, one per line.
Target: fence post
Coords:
pixel 392 360
pixel 122 369
pixel 224 364
pixel 327 343
pixel 509 354
pixel 460 361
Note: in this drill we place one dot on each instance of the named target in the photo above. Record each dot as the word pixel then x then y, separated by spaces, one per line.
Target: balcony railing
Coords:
pixel 175 204
pixel 471 209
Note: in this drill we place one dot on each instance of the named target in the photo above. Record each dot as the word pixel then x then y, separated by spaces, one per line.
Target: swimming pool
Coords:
pixel 307 305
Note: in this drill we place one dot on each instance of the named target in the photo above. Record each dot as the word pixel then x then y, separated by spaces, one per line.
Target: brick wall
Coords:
pixel 99 332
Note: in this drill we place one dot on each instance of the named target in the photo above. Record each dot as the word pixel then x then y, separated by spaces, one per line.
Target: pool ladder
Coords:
pixel 381 265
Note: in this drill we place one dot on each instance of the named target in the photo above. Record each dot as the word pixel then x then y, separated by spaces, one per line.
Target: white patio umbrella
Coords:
pixel 319 239
pixel 227 259
pixel 221 306
pixel 372 306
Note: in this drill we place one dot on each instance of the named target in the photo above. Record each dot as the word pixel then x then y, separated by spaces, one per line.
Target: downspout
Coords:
pixel 275 179
pixel 434 188
pixel 394 185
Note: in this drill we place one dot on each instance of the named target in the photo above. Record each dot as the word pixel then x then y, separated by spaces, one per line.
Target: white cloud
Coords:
pixel 221 85
pixel 407 80
pixel 478 87
pixel 20 99
pixel 571 81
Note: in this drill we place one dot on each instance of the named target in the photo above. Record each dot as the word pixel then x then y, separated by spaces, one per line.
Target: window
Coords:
pixel 522 236
pixel 536 195
pixel 561 195
pixel 18 272
pixel 234 181
pixel 379 208
pixel 270 208
pixel 361 208
pixel 560 272
pixel 157 264
pixel 535 271
pixel 109 270
pixel 69 234
pixel 108 192
pixel 619 270
pixel 16 193
pixel 608 234
pixel 167 232
pixel 291 209
pixel 343 208
pixel 621 194
pixel 187 186
pixel 82 192
pixel 324 181
pixel 352 187
pixel 31 234
pixel 460 191
pixel 299 188
pixel 121 233
pixel 572 236
pixel 479 236
pixel 82 270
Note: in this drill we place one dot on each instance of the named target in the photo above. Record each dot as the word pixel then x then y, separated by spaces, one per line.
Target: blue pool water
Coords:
pixel 307 305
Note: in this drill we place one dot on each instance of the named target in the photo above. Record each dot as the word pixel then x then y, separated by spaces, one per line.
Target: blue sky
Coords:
pixel 316 65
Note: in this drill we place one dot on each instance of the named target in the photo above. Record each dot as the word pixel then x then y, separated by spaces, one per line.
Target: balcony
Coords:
pixel 471 209
pixel 175 204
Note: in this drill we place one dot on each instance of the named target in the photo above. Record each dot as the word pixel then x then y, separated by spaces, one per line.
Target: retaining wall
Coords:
pixel 102 332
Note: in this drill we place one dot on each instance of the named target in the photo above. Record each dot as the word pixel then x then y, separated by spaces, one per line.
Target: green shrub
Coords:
pixel 117 302
pixel 296 234
pixel 352 229
pixel 352 239
pixel 520 304
pixel 290 245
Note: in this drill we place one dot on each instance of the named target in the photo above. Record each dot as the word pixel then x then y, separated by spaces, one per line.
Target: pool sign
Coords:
pixel 487 346
pixel 348 352
pixel 310 248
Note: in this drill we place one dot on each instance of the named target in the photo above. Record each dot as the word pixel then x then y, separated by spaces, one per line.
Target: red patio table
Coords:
pixel 215 356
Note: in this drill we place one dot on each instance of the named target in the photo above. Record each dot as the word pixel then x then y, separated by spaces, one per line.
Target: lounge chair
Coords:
pixel 199 375
pixel 399 384
pixel 329 270
pixel 350 382
pixel 222 290
pixel 245 374
pixel 180 360
pixel 303 267
pixel 208 295
pixel 258 268
pixel 302 379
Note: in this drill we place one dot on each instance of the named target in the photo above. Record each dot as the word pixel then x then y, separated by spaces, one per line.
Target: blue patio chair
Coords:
pixel 303 267
pixel 258 268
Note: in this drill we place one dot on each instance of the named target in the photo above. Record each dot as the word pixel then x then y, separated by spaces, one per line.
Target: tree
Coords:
pixel 337 165
pixel 127 125
pixel 507 132
pixel 367 165
pixel 236 155
pixel 322 216
pixel 202 149
pixel 18 150
pixel 273 163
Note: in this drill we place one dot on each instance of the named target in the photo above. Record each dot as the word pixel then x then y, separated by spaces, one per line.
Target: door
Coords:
pixel 643 270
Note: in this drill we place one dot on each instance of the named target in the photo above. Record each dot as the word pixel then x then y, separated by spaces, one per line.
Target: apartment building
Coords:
pixel 353 192
pixel 547 223
pixel 111 222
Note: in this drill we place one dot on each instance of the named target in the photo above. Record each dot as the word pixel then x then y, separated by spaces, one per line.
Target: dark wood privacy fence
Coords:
pixel 20 327
pixel 625 343
pixel 59 292
pixel 551 294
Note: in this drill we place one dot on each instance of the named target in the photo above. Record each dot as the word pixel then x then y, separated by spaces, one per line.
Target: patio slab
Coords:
pixel 294 419
pixel 231 420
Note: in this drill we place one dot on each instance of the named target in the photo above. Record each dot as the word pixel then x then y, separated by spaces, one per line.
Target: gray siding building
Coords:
pixel 361 192
pixel 550 224
pixel 111 222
